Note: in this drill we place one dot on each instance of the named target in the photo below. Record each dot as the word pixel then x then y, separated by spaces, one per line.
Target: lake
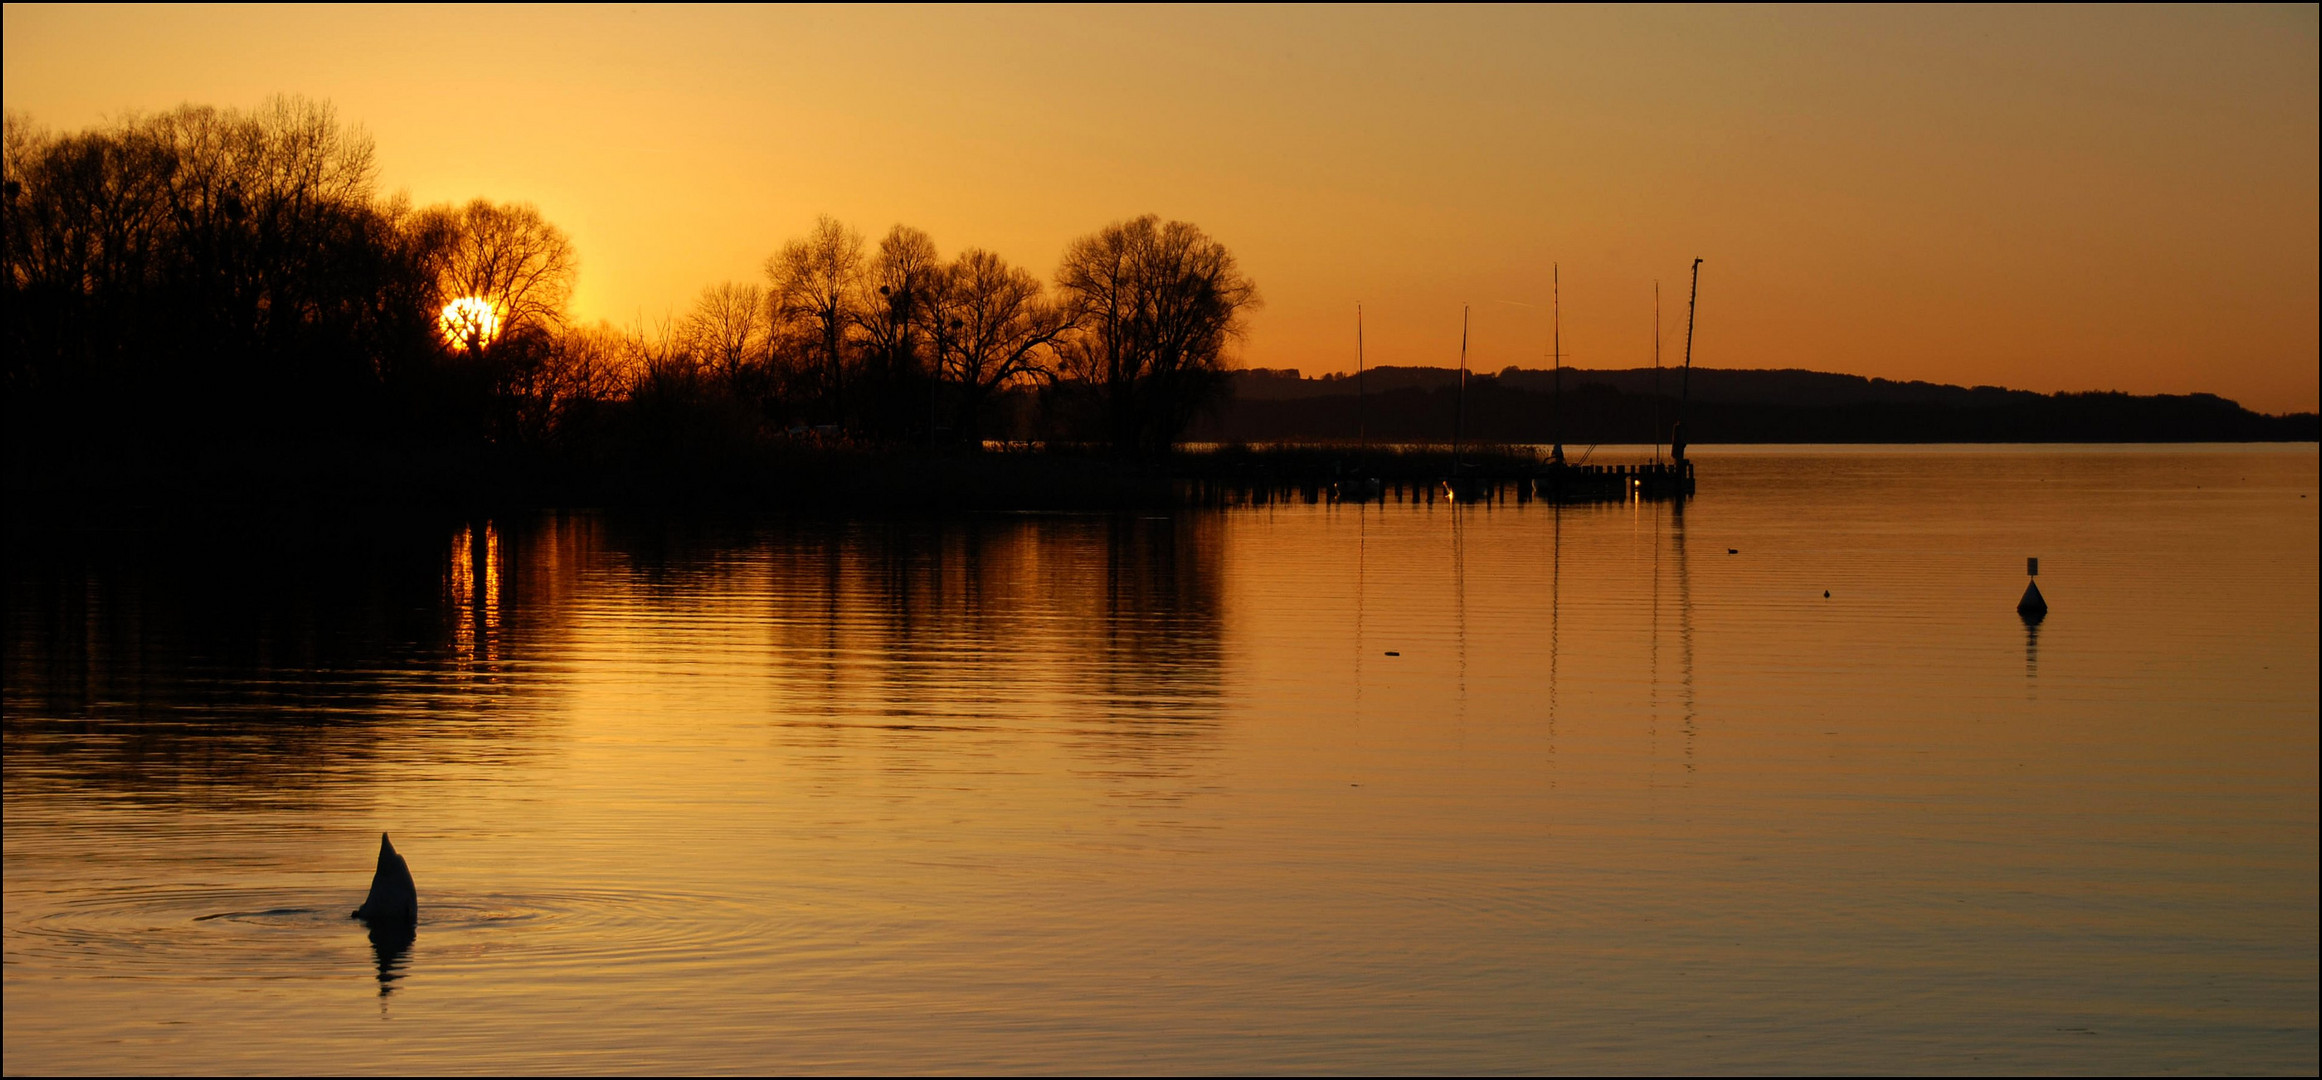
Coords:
pixel 1773 781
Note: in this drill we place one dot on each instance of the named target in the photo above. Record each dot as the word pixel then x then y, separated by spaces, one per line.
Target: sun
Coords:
pixel 470 322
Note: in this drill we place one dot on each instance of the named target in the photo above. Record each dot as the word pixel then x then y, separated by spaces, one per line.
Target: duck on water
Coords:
pixel 394 900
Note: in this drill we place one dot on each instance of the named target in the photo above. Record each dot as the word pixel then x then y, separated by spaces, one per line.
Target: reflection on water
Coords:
pixel 218 664
pixel 2031 650
pixel 1365 787
pixel 391 949
pixel 263 663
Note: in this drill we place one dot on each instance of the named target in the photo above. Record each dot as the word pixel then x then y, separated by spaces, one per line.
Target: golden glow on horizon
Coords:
pixel 469 323
pixel 2045 198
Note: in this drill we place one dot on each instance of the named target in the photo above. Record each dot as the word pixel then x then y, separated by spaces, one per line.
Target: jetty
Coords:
pixel 1257 476
pixel 1244 475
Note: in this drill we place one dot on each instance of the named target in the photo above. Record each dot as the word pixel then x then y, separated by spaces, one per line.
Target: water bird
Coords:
pixel 394 900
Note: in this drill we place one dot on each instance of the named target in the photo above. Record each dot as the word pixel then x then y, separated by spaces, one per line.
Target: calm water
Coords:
pixel 1055 793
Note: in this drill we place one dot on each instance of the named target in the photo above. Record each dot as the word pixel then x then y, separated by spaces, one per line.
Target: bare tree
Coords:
pixel 233 256
pixel 561 378
pixel 991 325
pixel 728 330
pixel 1157 305
pixel 815 281
pixel 897 394
pixel 89 213
pixel 261 201
pixel 22 143
pixel 511 260
pixel 591 363
pixel 658 360
pixel 895 291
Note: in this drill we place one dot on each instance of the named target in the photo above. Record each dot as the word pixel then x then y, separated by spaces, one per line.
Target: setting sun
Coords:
pixel 1082 538
pixel 469 323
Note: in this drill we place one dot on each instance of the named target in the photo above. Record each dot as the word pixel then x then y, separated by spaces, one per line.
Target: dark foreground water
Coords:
pixel 1279 789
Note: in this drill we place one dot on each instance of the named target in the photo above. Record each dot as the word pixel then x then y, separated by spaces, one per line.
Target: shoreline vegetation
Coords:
pixel 218 304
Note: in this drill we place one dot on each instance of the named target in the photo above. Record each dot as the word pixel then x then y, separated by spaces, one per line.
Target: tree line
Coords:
pixel 207 274
pixel 891 341
pixel 1520 406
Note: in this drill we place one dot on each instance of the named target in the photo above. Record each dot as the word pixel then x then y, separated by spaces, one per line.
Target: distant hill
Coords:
pixel 1726 405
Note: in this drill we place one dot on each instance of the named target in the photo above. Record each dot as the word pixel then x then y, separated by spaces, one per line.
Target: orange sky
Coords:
pixel 2053 199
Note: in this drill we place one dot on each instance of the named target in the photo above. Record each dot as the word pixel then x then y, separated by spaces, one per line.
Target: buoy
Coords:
pixel 394 900
pixel 2033 607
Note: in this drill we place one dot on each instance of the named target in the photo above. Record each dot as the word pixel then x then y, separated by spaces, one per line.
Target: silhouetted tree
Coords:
pixel 507 256
pixel 659 360
pixel 202 268
pixel 991 326
pixel 208 276
pixel 89 224
pixel 727 330
pixel 270 209
pixel 891 314
pixel 815 284
pixel 1156 305
pixel 586 367
pixel 503 276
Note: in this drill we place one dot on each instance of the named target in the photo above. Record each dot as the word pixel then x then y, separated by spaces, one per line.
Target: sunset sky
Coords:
pixel 2053 199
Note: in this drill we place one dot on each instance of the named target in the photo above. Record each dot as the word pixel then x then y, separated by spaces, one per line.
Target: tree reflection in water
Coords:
pixel 270 658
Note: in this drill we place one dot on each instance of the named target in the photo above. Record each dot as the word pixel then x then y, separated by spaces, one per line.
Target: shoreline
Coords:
pixel 778 478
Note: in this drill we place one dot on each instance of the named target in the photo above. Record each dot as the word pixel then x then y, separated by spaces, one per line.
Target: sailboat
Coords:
pixel 1560 480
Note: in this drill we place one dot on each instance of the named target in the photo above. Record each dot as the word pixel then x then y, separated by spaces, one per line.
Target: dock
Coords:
pixel 1500 481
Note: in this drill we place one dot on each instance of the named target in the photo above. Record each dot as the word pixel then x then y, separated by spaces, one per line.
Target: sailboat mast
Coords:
pixel 1685 392
pixel 1556 347
pixel 1656 370
pixel 1362 435
pixel 1459 419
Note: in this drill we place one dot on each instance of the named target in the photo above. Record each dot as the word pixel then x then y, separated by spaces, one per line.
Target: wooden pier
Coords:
pixel 1551 482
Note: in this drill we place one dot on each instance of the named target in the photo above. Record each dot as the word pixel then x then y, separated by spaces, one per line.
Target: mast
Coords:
pixel 1556 346
pixel 1656 370
pixel 1685 384
pixel 1459 419
pixel 1362 435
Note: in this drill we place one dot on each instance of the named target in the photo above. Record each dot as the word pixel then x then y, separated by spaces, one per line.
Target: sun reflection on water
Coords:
pixel 472 581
